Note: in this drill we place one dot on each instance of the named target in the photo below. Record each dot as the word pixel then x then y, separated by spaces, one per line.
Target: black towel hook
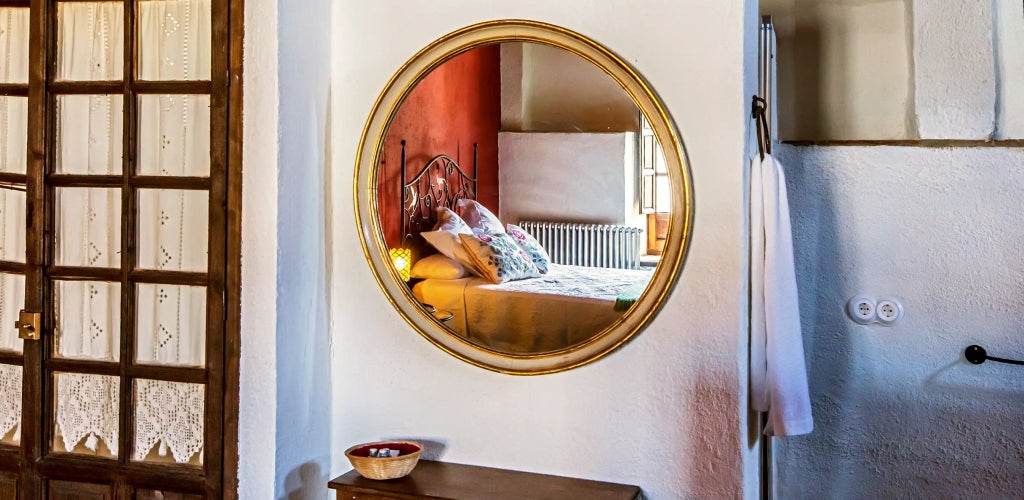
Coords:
pixel 978 355
pixel 758 108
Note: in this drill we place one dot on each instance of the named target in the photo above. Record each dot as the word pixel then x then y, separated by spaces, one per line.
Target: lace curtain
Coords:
pixel 173 140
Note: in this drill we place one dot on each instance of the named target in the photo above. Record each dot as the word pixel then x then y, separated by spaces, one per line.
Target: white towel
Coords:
pixel 778 371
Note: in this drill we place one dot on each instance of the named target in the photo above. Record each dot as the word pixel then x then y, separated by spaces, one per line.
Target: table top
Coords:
pixel 441 480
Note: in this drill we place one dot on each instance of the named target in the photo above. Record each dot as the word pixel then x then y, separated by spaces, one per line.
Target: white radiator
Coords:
pixel 589 245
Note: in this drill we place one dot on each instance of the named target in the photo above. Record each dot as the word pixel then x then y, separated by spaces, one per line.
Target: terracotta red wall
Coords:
pixel 457 104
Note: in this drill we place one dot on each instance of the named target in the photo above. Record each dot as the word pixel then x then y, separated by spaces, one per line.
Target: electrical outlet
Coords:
pixel 889 311
pixel 862 309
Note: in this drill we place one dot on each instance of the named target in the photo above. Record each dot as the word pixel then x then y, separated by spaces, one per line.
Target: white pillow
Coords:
pixel 478 217
pixel 445 238
pixel 438 267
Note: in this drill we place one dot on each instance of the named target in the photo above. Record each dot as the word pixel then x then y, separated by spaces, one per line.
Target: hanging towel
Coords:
pixel 778 371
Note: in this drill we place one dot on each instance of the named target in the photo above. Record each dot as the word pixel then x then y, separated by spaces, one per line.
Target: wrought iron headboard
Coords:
pixel 440 183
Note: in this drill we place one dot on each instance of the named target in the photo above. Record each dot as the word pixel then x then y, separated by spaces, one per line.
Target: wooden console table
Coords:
pixel 440 480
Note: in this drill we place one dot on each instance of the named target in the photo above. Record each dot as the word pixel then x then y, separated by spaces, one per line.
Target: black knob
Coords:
pixel 976 354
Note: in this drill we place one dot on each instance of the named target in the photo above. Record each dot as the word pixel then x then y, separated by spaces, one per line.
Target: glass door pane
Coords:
pixel 88 320
pixel 87 411
pixel 90 132
pixel 174 39
pixel 174 135
pixel 10 404
pixel 12 225
pixel 12 299
pixel 171 325
pixel 173 229
pixel 13 133
pixel 169 422
pixel 14 45
pixel 90 41
pixel 88 227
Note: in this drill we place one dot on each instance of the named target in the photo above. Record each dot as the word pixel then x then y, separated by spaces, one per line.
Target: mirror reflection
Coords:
pixel 523 196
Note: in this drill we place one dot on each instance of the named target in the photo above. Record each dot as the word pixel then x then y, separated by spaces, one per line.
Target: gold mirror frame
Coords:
pixel 371 235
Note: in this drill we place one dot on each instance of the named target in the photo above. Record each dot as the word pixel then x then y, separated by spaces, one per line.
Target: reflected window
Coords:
pixel 655 191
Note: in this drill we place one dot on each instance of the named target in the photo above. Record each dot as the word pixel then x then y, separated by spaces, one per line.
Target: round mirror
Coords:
pixel 522 197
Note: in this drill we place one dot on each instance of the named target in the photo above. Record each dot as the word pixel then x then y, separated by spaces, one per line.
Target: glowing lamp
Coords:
pixel 402 260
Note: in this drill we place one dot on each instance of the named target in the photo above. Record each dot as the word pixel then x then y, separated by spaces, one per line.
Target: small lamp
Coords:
pixel 402 260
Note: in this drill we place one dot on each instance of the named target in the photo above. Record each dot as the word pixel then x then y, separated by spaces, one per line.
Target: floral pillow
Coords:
pixel 445 238
pixel 498 258
pixel 531 246
pixel 478 217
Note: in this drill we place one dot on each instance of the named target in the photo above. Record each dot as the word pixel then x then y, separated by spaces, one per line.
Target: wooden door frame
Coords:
pixel 233 288
pixel 33 374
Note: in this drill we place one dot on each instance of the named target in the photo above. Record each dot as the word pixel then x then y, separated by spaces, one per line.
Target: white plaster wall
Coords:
pixel 955 71
pixel 679 386
pixel 568 177
pixel 752 439
pixel 512 86
pixel 898 412
pixel 258 365
pixel 843 69
pixel 561 92
pixel 303 450
pixel 1009 36
pixel 284 415
pixel 899 69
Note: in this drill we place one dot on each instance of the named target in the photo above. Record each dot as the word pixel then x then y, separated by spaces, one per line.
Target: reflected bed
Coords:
pixel 559 309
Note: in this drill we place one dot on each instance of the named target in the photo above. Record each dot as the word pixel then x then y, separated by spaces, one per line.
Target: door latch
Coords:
pixel 28 325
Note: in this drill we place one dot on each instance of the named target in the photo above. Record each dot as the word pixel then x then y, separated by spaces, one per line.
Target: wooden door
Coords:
pixel 115 130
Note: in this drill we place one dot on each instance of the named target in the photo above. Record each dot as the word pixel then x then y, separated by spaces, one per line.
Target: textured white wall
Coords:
pixel 1009 35
pixel 284 415
pixel 955 71
pixel 258 370
pixel 302 459
pixel 679 386
pixel 574 177
pixel 898 412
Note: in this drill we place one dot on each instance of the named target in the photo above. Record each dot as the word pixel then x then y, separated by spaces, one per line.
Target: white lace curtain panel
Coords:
pixel 173 140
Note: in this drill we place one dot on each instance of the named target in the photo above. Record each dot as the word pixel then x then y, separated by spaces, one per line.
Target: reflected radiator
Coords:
pixel 589 245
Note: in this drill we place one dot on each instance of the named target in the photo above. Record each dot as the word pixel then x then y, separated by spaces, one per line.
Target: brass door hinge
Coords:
pixel 28 325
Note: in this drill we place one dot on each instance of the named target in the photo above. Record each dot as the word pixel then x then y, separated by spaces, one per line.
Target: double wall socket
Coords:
pixel 866 310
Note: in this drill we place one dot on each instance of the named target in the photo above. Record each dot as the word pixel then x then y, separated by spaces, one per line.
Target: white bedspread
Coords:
pixel 562 308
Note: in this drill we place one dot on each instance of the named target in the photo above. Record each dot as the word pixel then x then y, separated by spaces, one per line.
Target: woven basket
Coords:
pixel 385 468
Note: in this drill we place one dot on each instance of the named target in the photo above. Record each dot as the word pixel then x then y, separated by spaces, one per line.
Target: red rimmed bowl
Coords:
pixel 388 467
